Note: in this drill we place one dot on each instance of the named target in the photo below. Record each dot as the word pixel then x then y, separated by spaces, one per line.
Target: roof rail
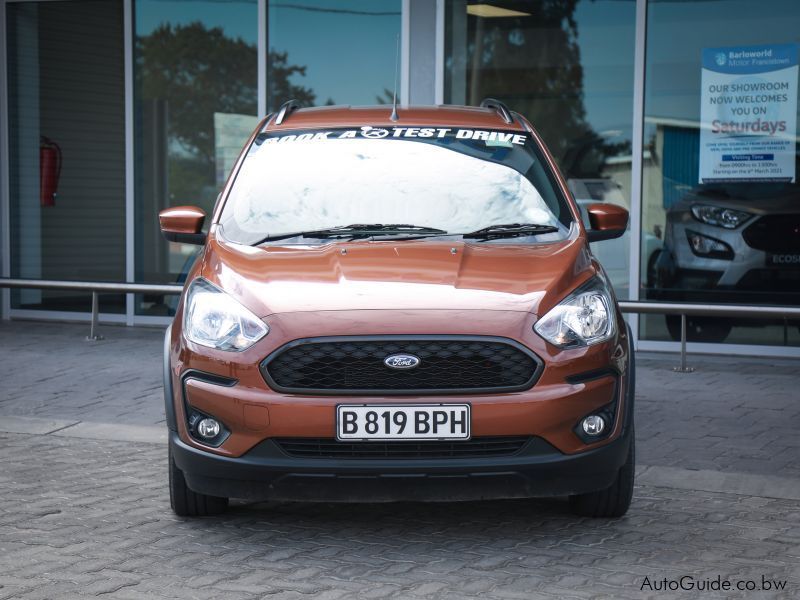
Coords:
pixel 285 110
pixel 500 107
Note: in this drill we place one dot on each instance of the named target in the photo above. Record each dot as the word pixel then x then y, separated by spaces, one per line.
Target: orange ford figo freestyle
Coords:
pixel 397 307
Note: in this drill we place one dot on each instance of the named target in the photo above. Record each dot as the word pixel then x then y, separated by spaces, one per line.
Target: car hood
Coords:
pixel 399 275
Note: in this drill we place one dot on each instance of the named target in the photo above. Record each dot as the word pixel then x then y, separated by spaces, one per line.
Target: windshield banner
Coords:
pixel 748 113
pixel 492 138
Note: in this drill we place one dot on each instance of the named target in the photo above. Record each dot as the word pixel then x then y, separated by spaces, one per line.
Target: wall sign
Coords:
pixel 748 113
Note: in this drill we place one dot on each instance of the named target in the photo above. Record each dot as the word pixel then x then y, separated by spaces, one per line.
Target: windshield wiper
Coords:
pixel 510 230
pixel 357 230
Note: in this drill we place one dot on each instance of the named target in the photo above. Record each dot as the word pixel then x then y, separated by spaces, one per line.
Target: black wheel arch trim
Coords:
pixel 169 397
pixel 630 391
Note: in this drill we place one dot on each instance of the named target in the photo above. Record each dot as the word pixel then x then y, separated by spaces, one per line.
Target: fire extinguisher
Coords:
pixel 49 170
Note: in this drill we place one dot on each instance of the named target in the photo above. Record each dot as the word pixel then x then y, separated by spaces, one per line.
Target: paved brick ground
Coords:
pixel 48 370
pixel 735 414
pixel 83 518
pixel 90 517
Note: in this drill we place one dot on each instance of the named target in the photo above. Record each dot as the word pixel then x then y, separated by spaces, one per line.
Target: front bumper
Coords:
pixel 266 473
pixel 538 469
pixel 249 464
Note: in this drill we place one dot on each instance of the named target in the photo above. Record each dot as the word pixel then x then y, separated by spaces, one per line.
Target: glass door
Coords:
pixel 721 163
pixel 568 67
pixel 66 126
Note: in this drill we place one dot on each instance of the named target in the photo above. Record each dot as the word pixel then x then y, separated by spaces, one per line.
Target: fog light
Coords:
pixel 593 425
pixel 703 245
pixel 210 428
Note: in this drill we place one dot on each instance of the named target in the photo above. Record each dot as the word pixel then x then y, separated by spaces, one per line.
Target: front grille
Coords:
pixel 779 234
pixel 330 448
pixel 355 365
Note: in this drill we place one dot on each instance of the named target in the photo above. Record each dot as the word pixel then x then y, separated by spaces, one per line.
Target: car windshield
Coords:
pixel 427 181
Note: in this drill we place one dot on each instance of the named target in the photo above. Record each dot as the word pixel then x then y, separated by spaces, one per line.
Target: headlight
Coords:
pixel 212 318
pixel 583 318
pixel 719 217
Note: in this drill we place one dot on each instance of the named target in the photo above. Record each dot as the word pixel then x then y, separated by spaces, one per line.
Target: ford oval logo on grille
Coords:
pixel 401 361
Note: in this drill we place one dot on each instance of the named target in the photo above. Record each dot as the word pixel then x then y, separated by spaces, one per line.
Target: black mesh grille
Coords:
pixel 775 233
pixel 330 448
pixel 355 366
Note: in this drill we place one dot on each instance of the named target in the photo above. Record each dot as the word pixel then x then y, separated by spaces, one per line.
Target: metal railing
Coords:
pixel 658 308
pixel 707 310
pixel 96 288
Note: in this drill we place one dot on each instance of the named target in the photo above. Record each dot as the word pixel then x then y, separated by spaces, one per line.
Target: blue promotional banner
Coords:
pixel 748 113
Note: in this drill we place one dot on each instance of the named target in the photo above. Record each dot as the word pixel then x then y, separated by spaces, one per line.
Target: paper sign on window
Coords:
pixel 748 113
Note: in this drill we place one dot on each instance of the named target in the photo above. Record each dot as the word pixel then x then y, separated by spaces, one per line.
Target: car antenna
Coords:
pixel 394 116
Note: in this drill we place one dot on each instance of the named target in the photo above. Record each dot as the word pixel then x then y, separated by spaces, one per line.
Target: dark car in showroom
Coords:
pixel 730 242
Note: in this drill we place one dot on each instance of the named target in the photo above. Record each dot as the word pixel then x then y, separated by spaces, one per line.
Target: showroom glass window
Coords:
pixel 196 96
pixel 196 90
pixel 332 51
pixel 66 118
pixel 720 165
pixel 568 67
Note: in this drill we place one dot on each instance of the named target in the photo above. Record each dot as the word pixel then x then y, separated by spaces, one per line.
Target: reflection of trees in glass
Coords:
pixel 386 97
pixel 534 64
pixel 586 156
pixel 280 88
pixel 197 71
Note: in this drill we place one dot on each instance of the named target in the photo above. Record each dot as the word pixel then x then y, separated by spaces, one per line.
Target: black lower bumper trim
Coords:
pixel 266 473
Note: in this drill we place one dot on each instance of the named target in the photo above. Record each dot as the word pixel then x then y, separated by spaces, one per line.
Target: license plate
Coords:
pixel 403 422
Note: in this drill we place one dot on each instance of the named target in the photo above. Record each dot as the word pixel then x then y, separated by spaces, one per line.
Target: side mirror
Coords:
pixel 183 224
pixel 608 221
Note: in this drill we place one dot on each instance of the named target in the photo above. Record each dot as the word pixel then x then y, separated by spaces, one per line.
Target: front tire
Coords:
pixel 187 503
pixel 651 276
pixel 614 501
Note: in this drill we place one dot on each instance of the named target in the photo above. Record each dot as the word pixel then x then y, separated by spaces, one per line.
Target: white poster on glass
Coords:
pixel 230 133
pixel 748 113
